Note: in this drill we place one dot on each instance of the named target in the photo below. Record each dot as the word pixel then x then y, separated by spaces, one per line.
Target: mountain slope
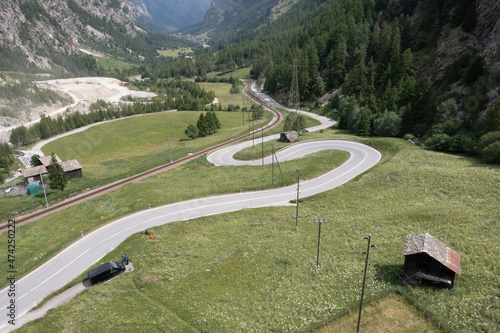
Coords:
pixel 171 15
pixel 37 34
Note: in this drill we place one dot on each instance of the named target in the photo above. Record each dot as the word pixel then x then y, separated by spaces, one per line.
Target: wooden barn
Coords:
pixel 46 160
pixel 72 168
pixel 291 136
pixel 32 175
pixel 430 261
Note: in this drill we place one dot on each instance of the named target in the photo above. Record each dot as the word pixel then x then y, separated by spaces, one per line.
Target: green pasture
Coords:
pixel 174 53
pixel 110 64
pixel 115 150
pixel 389 314
pixel 47 236
pixel 252 271
pixel 255 152
pixel 240 73
pixel 221 91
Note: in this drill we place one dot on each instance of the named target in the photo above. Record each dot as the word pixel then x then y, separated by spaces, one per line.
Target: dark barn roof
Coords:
pixel 425 243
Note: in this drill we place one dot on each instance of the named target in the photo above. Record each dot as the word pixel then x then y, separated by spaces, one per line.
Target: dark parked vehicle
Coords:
pixel 105 272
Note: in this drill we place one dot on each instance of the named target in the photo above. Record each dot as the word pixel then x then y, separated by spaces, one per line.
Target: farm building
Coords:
pixel 32 175
pixel 430 260
pixel 45 160
pixel 291 136
pixel 72 168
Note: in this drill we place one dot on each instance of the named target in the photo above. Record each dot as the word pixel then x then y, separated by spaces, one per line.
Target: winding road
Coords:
pixel 79 256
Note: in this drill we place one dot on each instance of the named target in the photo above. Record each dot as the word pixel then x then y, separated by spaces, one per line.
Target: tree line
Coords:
pixel 180 95
pixel 6 160
pixel 368 49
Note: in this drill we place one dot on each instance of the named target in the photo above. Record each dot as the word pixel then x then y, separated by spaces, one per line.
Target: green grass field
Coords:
pixel 119 149
pixel 240 73
pixel 174 53
pixel 221 91
pixel 251 271
pixel 392 314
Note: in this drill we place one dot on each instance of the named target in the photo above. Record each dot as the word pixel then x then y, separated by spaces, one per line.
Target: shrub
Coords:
pixel 192 131
pixel 439 142
pixel 491 154
pixel 489 138
pixel 387 124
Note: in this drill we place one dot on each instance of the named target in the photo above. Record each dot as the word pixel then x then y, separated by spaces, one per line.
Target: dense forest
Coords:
pixel 375 52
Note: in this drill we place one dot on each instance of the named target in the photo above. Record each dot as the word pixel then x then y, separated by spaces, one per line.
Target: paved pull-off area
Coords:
pixel 79 256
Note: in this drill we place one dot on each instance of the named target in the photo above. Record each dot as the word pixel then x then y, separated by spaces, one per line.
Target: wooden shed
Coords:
pixel 429 260
pixel 72 168
pixel 32 175
pixel 291 136
pixel 46 160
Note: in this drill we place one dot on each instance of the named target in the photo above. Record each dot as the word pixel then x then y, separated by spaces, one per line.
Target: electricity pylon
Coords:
pixel 293 98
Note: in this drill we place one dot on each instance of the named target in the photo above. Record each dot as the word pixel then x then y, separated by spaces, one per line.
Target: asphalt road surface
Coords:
pixel 79 256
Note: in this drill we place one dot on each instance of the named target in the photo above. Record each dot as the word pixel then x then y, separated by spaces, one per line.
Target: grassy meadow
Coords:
pixel 250 271
pixel 174 53
pixel 221 91
pixel 45 237
pixel 122 148
pixel 240 73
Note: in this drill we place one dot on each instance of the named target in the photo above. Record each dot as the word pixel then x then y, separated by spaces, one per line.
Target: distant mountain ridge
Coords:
pixel 170 15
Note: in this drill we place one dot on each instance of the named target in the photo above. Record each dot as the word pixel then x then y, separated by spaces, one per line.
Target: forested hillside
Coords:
pixel 170 15
pixel 37 35
pixel 427 70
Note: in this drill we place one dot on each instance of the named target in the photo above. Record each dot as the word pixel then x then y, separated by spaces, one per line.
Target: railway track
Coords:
pixel 113 186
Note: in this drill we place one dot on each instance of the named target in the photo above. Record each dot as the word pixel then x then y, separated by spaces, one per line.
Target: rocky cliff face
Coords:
pixel 488 31
pixel 453 42
pixel 39 28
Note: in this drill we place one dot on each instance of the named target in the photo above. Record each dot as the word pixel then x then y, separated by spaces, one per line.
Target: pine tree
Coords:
pixel 201 124
pixel 58 178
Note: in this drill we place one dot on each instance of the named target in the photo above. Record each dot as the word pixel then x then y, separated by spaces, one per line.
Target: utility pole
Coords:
pixel 272 158
pixel 279 168
pixel 231 125
pixel 262 145
pixel 319 237
pixel 294 98
pixel 364 278
pixel 253 130
pixel 169 149
pixel 43 186
pixel 297 210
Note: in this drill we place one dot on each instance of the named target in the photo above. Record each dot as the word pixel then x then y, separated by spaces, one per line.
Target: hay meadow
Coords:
pixel 251 271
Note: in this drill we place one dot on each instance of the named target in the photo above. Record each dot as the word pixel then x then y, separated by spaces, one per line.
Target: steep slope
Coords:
pixel 422 68
pixel 48 34
pixel 228 19
pixel 171 15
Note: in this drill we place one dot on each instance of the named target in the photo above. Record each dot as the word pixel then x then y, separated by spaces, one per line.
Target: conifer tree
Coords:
pixel 201 124
pixel 58 178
